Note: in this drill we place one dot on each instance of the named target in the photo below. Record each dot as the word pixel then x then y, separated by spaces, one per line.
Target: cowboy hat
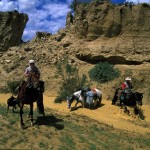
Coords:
pixel 128 79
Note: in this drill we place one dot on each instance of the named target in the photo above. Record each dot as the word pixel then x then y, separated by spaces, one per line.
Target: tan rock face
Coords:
pixel 117 34
pixel 12 25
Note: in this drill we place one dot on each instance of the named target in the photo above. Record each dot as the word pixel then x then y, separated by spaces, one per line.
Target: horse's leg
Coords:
pixel 31 113
pixel 115 98
pixel 13 109
pixel 21 118
pixel 83 104
pixel 7 108
pixel 95 103
pixel 76 104
pixel 99 101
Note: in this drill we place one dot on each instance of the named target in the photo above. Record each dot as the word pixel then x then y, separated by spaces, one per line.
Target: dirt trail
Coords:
pixel 108 114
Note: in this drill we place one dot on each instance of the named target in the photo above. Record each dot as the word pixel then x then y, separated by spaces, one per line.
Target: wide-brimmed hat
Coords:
pixel 128 79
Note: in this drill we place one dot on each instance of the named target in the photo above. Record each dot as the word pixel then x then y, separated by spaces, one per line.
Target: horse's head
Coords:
pixel 69 101
pixel 139 97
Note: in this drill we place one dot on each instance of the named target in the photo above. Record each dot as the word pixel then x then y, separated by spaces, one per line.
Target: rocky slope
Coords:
pixel 119 34
pixel 97 32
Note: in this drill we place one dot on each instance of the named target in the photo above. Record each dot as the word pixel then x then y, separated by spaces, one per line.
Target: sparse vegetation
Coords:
pixel 103 72
pixel 77 131
pixel 12 85
pixel 70 80
pixel 74 4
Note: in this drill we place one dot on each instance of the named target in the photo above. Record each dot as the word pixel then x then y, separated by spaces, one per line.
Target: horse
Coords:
pixel 132 99
pixel 28 96
pixel 75 96
pixel 93 97
pixel 12 102
pixel 83 96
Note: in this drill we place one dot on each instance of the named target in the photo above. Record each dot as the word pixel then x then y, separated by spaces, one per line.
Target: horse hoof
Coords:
pixel 22 126
pixel 31 124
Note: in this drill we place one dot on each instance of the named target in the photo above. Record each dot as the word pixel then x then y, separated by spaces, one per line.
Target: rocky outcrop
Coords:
pixel 114 33
pixel 98 32
pixel 12 25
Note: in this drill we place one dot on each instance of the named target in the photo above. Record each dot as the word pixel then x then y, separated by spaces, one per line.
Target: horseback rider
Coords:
pixel 30 71
pixel 126 87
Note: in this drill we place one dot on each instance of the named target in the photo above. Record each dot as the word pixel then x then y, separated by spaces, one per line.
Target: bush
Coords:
pixel 12 85
pixel 103 72
pixel 71 81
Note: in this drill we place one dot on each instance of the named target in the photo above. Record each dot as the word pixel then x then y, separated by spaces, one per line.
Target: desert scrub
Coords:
pixel 103 72
pixel 4 89
pixel 12 85
pixel 67 141
pixel 71 81
pixel 43 145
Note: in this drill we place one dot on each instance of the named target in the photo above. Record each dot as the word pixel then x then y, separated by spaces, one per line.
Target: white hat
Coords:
pixel 128 79
pixel 31 61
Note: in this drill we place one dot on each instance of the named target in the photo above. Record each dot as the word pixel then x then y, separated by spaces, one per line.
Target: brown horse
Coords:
pixel 29 96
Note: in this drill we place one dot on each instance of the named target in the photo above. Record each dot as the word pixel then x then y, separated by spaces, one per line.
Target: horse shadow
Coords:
pixel 94 108
pixel 50 120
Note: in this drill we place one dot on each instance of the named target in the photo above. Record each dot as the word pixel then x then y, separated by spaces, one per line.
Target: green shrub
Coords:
pixel 12 85
pixel 71 81
pixel 103 72
pixel 4 89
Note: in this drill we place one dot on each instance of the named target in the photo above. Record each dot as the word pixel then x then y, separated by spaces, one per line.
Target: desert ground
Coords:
pixel 107 114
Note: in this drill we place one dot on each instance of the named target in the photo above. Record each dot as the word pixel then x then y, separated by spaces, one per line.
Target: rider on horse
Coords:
pixel 126 87
pixel 32 73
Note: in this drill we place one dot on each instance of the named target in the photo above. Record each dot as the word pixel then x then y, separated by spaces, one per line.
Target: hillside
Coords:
pixel 106 127
pixel 97 32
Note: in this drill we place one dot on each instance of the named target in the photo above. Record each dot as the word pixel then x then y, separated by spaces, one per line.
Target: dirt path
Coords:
pixel 108 114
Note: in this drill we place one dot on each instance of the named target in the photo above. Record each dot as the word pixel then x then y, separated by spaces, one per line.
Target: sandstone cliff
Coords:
pixel 119 34
pixel 97 32
pixel 12 25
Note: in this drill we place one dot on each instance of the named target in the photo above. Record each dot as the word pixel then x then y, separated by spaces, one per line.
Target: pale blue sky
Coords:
pixel 44 15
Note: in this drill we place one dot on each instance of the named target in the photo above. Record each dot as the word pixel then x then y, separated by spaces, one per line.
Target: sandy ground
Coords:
pixel 107 113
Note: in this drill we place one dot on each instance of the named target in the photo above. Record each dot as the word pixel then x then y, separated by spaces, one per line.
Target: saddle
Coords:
pixel 33 80
pixel 125 96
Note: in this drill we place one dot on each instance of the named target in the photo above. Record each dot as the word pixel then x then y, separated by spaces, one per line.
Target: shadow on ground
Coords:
pixel 86 106
pixel 50 120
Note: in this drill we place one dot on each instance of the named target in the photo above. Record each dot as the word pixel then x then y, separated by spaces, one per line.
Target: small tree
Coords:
pixel 103 72
pixel 71 81
pixel 12 85
pixel 74 4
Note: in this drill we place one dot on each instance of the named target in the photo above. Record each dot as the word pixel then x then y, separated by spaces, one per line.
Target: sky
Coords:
pixel 44 15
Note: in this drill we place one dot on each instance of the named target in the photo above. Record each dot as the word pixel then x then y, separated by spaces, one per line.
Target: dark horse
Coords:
pixel 29 96
pixel 128 99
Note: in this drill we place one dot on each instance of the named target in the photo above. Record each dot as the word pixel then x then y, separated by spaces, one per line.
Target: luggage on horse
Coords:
pixel 89 97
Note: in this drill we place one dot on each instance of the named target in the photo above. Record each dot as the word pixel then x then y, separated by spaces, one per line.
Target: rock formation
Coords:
pixel 98 32
pixel 12 25
pixel 120 34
